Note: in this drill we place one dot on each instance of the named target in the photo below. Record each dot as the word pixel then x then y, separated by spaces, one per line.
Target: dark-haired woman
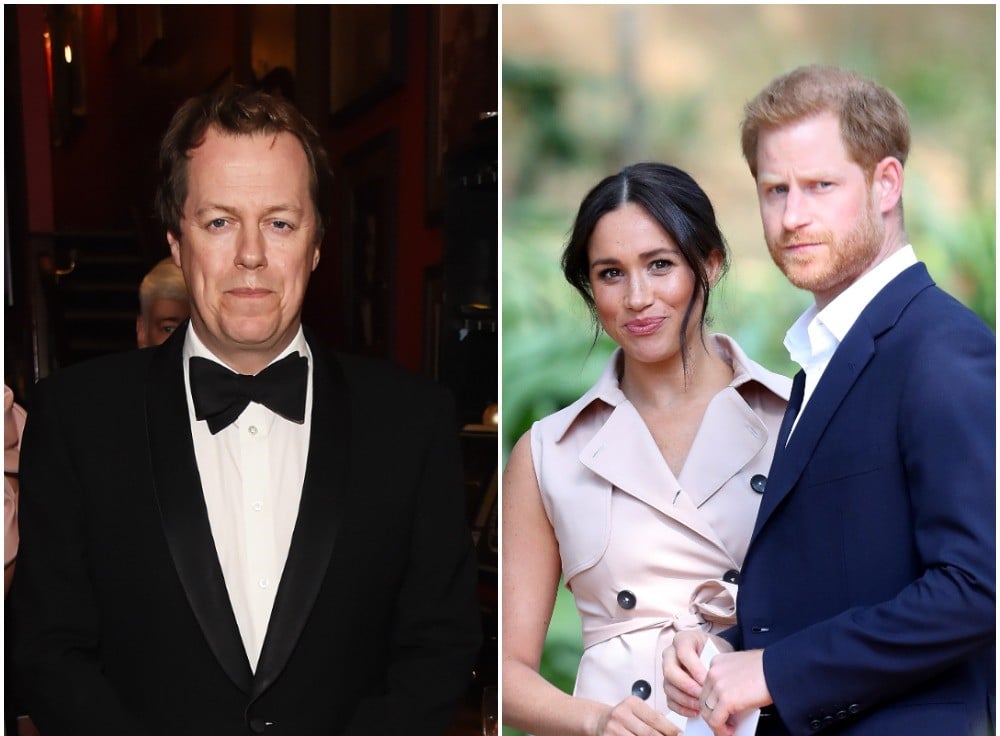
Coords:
pixel 642 493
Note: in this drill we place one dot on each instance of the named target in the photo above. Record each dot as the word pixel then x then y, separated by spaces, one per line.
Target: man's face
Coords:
pixel 163 318
pixel 247 244
pixel 817 206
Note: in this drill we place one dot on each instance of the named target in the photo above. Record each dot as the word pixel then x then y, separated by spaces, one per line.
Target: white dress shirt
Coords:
pixel 251 475
pixel 815 336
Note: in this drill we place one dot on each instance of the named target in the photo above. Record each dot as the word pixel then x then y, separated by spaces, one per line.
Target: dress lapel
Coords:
pixel 317 521
pixel 181 502
pixel 624 453
pixel 707 469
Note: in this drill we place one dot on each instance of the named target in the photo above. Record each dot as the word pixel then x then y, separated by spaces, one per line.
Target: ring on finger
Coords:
pixel 709 707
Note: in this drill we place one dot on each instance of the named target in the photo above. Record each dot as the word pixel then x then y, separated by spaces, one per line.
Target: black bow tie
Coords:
pixel 220 395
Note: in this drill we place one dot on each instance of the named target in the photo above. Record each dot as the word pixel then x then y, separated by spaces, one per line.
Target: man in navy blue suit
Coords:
pixel 867 597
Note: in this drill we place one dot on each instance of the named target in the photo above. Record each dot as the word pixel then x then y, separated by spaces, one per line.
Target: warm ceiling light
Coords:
pixel 68 53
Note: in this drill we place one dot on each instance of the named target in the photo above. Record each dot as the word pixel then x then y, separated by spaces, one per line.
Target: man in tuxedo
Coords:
pixel 239 532
pixel 163 304
pixel 867 596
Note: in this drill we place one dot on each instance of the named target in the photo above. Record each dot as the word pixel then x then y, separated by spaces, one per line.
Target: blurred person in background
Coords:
pixel 868 595
pixel 643 492
pixel 163 303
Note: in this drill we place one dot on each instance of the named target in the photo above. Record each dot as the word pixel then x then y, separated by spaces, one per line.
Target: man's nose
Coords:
pixel 251 249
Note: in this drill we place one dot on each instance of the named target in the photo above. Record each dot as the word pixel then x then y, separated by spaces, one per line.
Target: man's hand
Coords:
pixel 734 683
pixel 683 672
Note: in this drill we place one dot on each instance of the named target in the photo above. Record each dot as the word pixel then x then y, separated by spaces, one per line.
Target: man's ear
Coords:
pixel 140 332
pixel 315 256
pixel 175 248
pixel 887 184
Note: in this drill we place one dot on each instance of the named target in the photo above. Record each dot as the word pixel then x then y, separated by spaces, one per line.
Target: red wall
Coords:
pixel 104 177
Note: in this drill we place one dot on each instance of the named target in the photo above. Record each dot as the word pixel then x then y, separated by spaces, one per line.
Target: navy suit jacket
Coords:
pixel 123 622
pixel 870 577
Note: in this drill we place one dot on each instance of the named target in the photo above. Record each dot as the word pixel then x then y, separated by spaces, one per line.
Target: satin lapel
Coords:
pixel 317 521
pixel 177 486
pixel 728 422
pixel 624 453
pixel 848 362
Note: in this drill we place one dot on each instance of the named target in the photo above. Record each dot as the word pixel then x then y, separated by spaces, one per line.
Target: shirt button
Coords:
pixel 641 689
pixel 626 599
pixel 252 430
pixel 262 582
pixel 258 506
pixel 758 482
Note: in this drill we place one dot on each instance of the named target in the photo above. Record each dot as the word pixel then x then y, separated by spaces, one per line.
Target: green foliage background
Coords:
pixel 587 89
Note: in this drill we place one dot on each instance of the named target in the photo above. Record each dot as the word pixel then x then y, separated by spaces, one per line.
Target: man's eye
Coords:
pixel 218 222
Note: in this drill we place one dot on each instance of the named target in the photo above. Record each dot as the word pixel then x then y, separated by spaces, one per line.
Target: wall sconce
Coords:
pixel 64 60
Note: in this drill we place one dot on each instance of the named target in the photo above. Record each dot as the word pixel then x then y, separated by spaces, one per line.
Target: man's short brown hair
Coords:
pixel 237 111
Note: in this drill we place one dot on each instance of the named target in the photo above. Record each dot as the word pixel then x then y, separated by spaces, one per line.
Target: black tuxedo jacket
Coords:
pixel 122 620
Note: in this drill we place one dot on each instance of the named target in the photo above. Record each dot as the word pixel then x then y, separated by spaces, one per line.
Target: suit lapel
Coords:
pixel 317 521
pixel 181 502
pixel 848 362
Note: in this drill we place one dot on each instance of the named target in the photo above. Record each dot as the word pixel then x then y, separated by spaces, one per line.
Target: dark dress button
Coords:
pixel 841 714
pixel 258 725
pixel 758 482
pixel 815 724
pixel 642 689
pixel 854 709
pixel 626 599
pixel 732 576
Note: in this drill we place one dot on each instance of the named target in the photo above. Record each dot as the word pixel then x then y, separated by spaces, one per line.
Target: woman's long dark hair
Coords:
pixel 677 203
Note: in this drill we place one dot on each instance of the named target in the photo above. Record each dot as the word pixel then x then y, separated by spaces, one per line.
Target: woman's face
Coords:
pixel 642 284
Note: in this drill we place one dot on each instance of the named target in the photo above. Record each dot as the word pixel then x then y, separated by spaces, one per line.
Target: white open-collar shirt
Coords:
pixel 814 337
pixel 251 476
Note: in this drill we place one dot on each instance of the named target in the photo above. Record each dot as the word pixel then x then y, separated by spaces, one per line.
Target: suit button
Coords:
pixel 854 709
pixel 626 599
pixel 258 725
pixel 827 720
pixel 641 689
pixel 841 714
pixel 732 576
pixel 758 482
pixel 815 724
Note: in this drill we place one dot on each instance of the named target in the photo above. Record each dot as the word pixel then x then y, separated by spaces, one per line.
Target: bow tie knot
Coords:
pixel 220 395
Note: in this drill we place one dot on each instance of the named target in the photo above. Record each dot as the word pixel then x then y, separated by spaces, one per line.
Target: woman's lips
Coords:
pixel 644 326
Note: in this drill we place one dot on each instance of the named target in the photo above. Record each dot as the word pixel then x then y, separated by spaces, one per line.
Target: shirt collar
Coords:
pixel 193 346
pixel 816 333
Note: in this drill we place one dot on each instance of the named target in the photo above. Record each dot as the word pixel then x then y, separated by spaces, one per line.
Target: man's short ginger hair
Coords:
pixel 873 122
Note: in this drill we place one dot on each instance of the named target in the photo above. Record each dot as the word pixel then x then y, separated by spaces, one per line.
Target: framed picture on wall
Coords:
pixel 368 199
pixel 367 56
